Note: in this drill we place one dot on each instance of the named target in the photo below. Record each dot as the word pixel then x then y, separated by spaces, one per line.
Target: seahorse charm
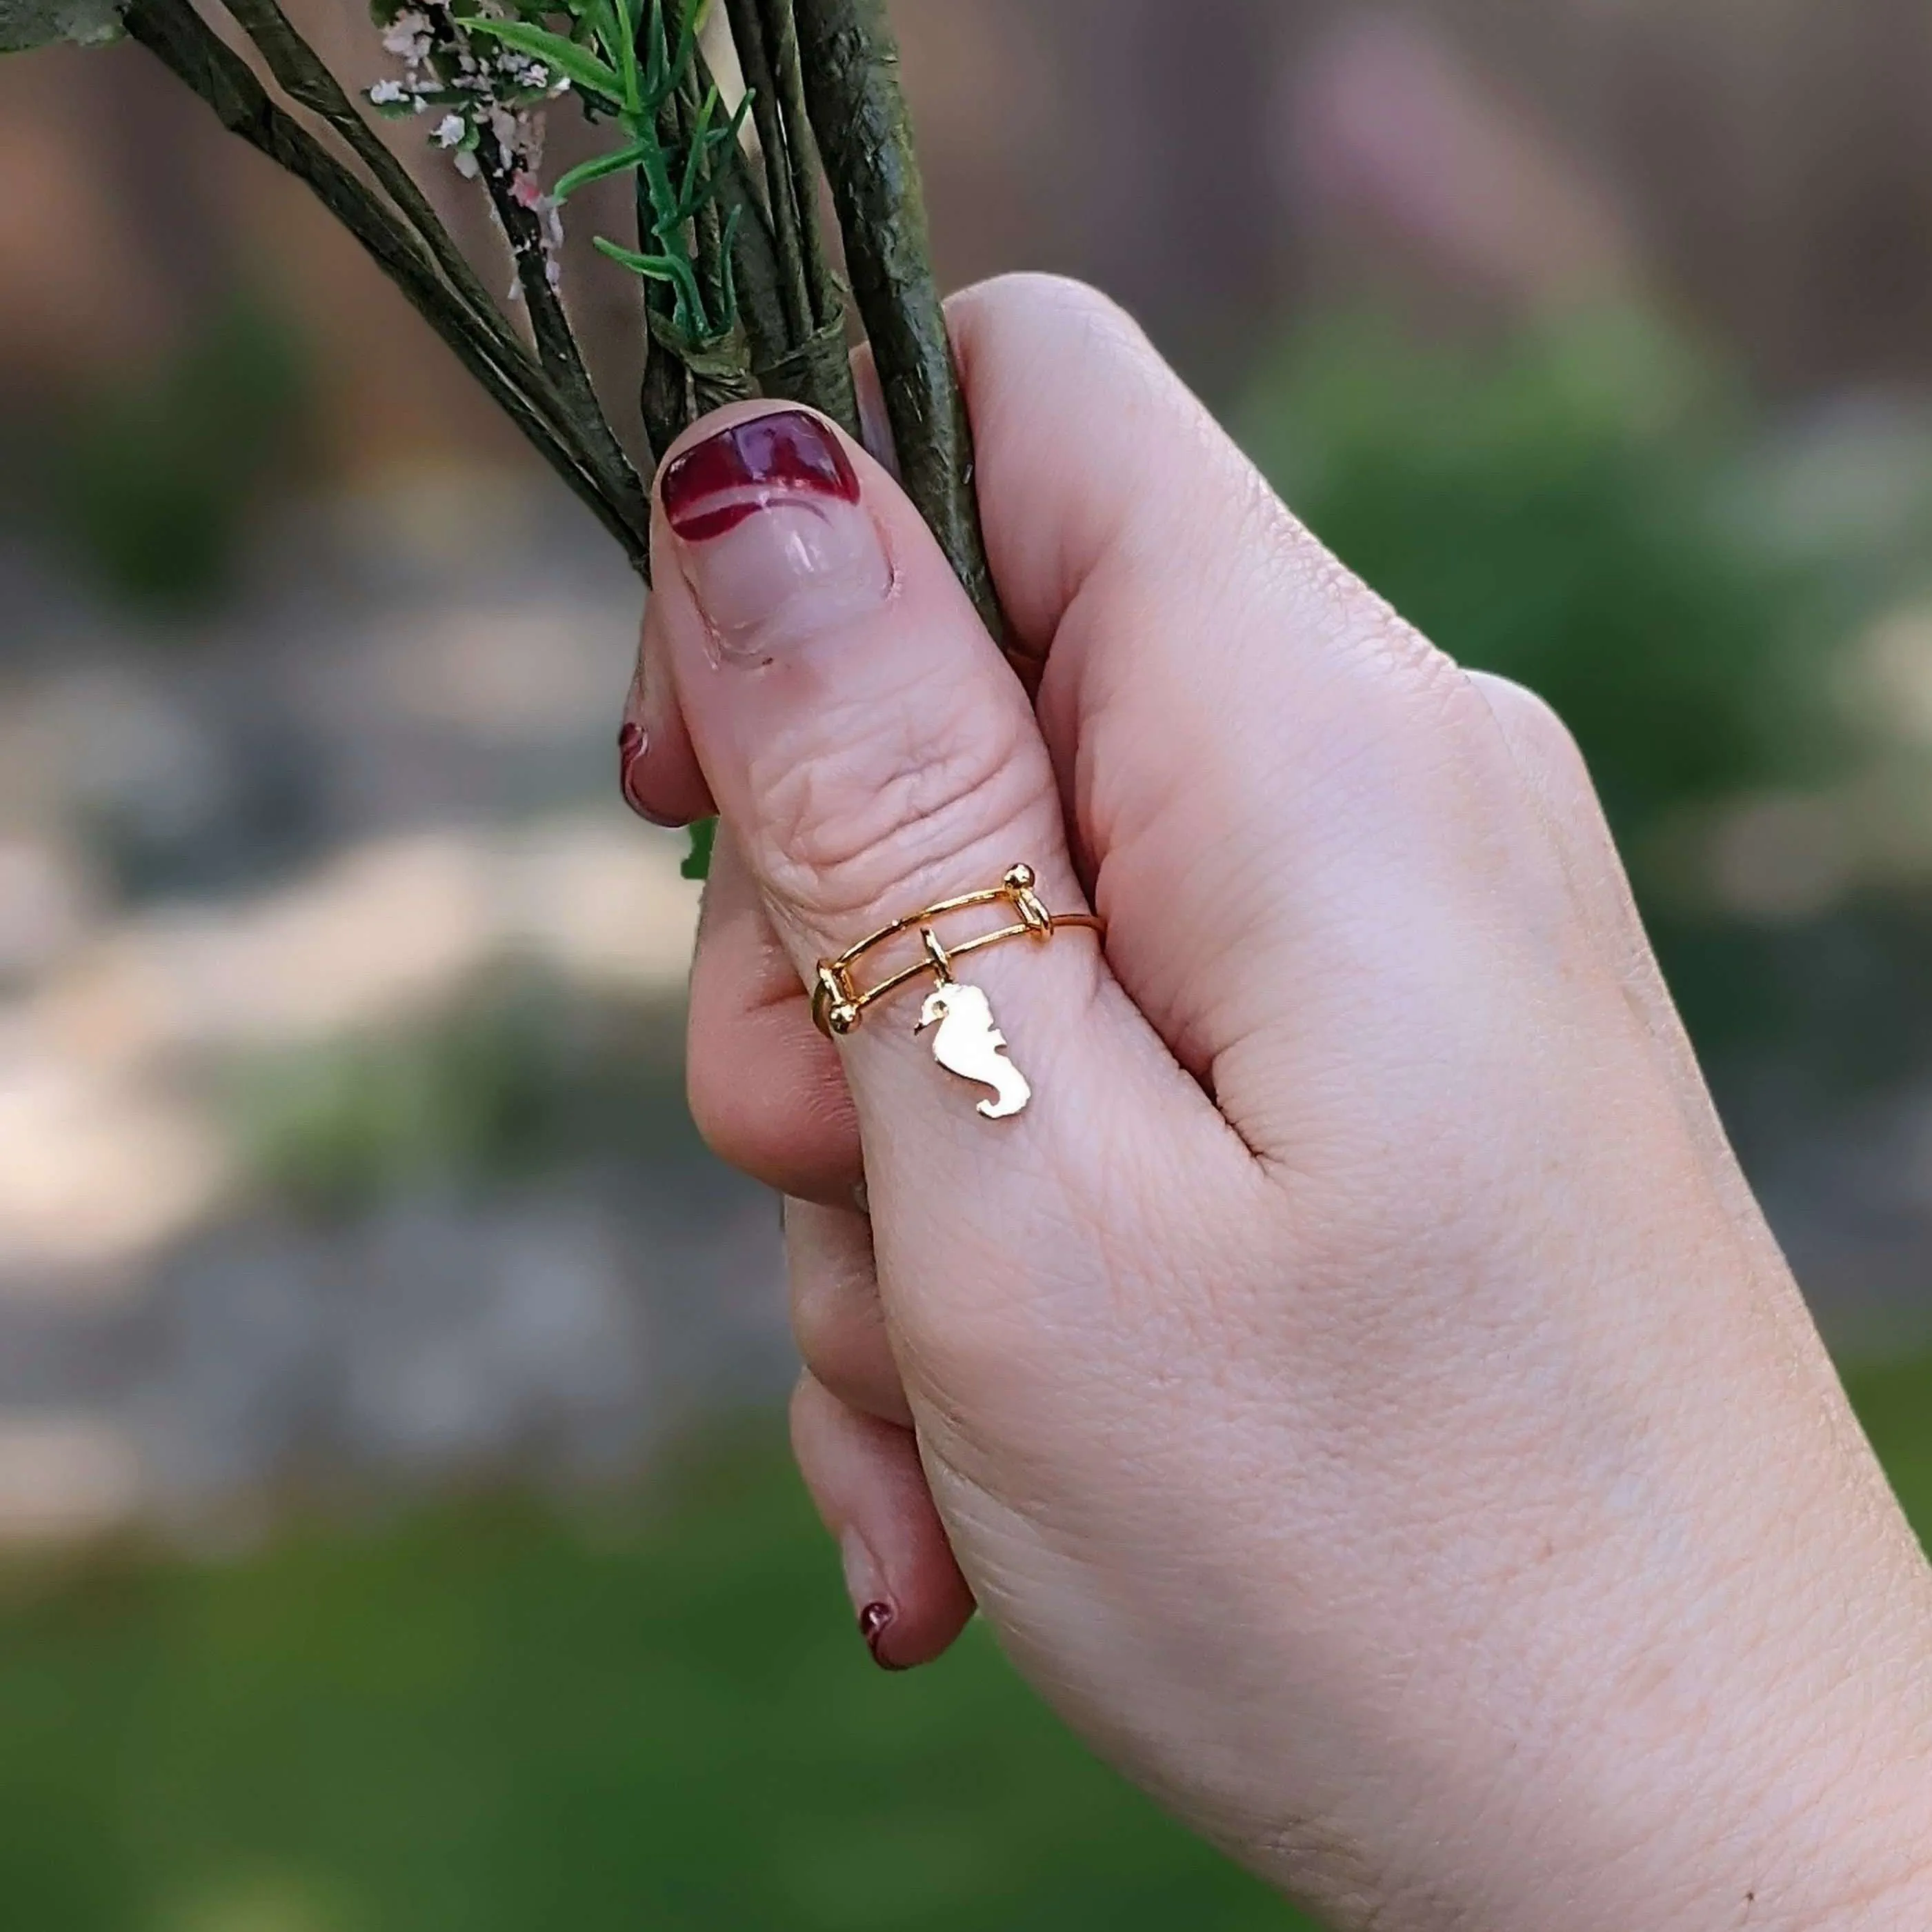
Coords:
pixel 969 1044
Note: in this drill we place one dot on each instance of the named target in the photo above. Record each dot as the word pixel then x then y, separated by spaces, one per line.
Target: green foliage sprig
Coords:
pixel 626 61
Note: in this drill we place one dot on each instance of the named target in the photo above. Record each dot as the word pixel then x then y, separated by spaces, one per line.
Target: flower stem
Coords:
pixel 176 34
pixel 813 366
pixel 557 353
pixel 760 270
pixel 665 399
pixel 302 76
pixel 850 65
pixel 747 35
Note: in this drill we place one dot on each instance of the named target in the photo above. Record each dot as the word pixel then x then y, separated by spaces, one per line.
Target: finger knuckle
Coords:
pixel 1387 666
pixel 1531 720
pixel 1042 306
pixel 730 1113
pixel 841 1334
pixel 1389 654
pixel 1382 682
pixel 894 805
pixel 793 1126
pixel 734 1116
pixel 765 1093
pixel 1033 343
pixel 842 1345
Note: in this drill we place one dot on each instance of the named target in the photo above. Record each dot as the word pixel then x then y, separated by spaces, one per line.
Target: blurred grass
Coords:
pixel 490 1718
pixel 517 1076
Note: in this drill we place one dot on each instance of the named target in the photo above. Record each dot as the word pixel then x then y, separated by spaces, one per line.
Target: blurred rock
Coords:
pixel 553 1336
pixel 331 822
pixel 47 902
pixel 97 1171
pixel 65 1477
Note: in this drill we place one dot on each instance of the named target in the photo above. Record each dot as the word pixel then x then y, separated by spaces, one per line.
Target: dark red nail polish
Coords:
pixel 729 477
pixel 874 1620
pixel 632 746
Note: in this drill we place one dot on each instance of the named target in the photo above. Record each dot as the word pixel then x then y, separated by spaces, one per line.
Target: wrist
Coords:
pixel 1854 1857
pixel 1813 1814
pixel 1679 1778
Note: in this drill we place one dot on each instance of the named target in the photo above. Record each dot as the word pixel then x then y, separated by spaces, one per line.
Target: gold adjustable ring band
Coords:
pixel 838 1005
pixel 968 1043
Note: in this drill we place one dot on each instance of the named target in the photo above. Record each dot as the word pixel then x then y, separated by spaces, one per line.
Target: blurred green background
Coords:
pixel 395 1527
pixel 489 1718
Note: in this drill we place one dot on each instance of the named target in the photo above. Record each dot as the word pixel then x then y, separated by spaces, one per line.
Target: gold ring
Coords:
pixel 968 1042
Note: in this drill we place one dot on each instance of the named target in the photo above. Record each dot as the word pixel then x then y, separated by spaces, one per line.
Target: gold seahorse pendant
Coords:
pixel 969 1044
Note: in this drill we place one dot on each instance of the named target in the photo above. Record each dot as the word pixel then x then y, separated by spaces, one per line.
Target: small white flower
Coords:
pixel 466 164
pixel 449 130
pixel 408 37
pixel 387 93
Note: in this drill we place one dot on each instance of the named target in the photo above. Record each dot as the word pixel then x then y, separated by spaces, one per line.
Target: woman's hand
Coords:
pixel 1360 1389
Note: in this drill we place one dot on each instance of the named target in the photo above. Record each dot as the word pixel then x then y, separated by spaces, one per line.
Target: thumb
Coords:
pixel 857 724
pixel 872 753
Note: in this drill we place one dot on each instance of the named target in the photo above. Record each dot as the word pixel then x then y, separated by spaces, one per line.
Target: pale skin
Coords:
pixel 1360 1390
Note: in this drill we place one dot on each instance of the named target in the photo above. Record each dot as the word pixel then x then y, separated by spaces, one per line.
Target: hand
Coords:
pixel 1360 1389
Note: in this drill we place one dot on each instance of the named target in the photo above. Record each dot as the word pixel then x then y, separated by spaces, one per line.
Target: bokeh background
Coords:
pixel 395 1525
